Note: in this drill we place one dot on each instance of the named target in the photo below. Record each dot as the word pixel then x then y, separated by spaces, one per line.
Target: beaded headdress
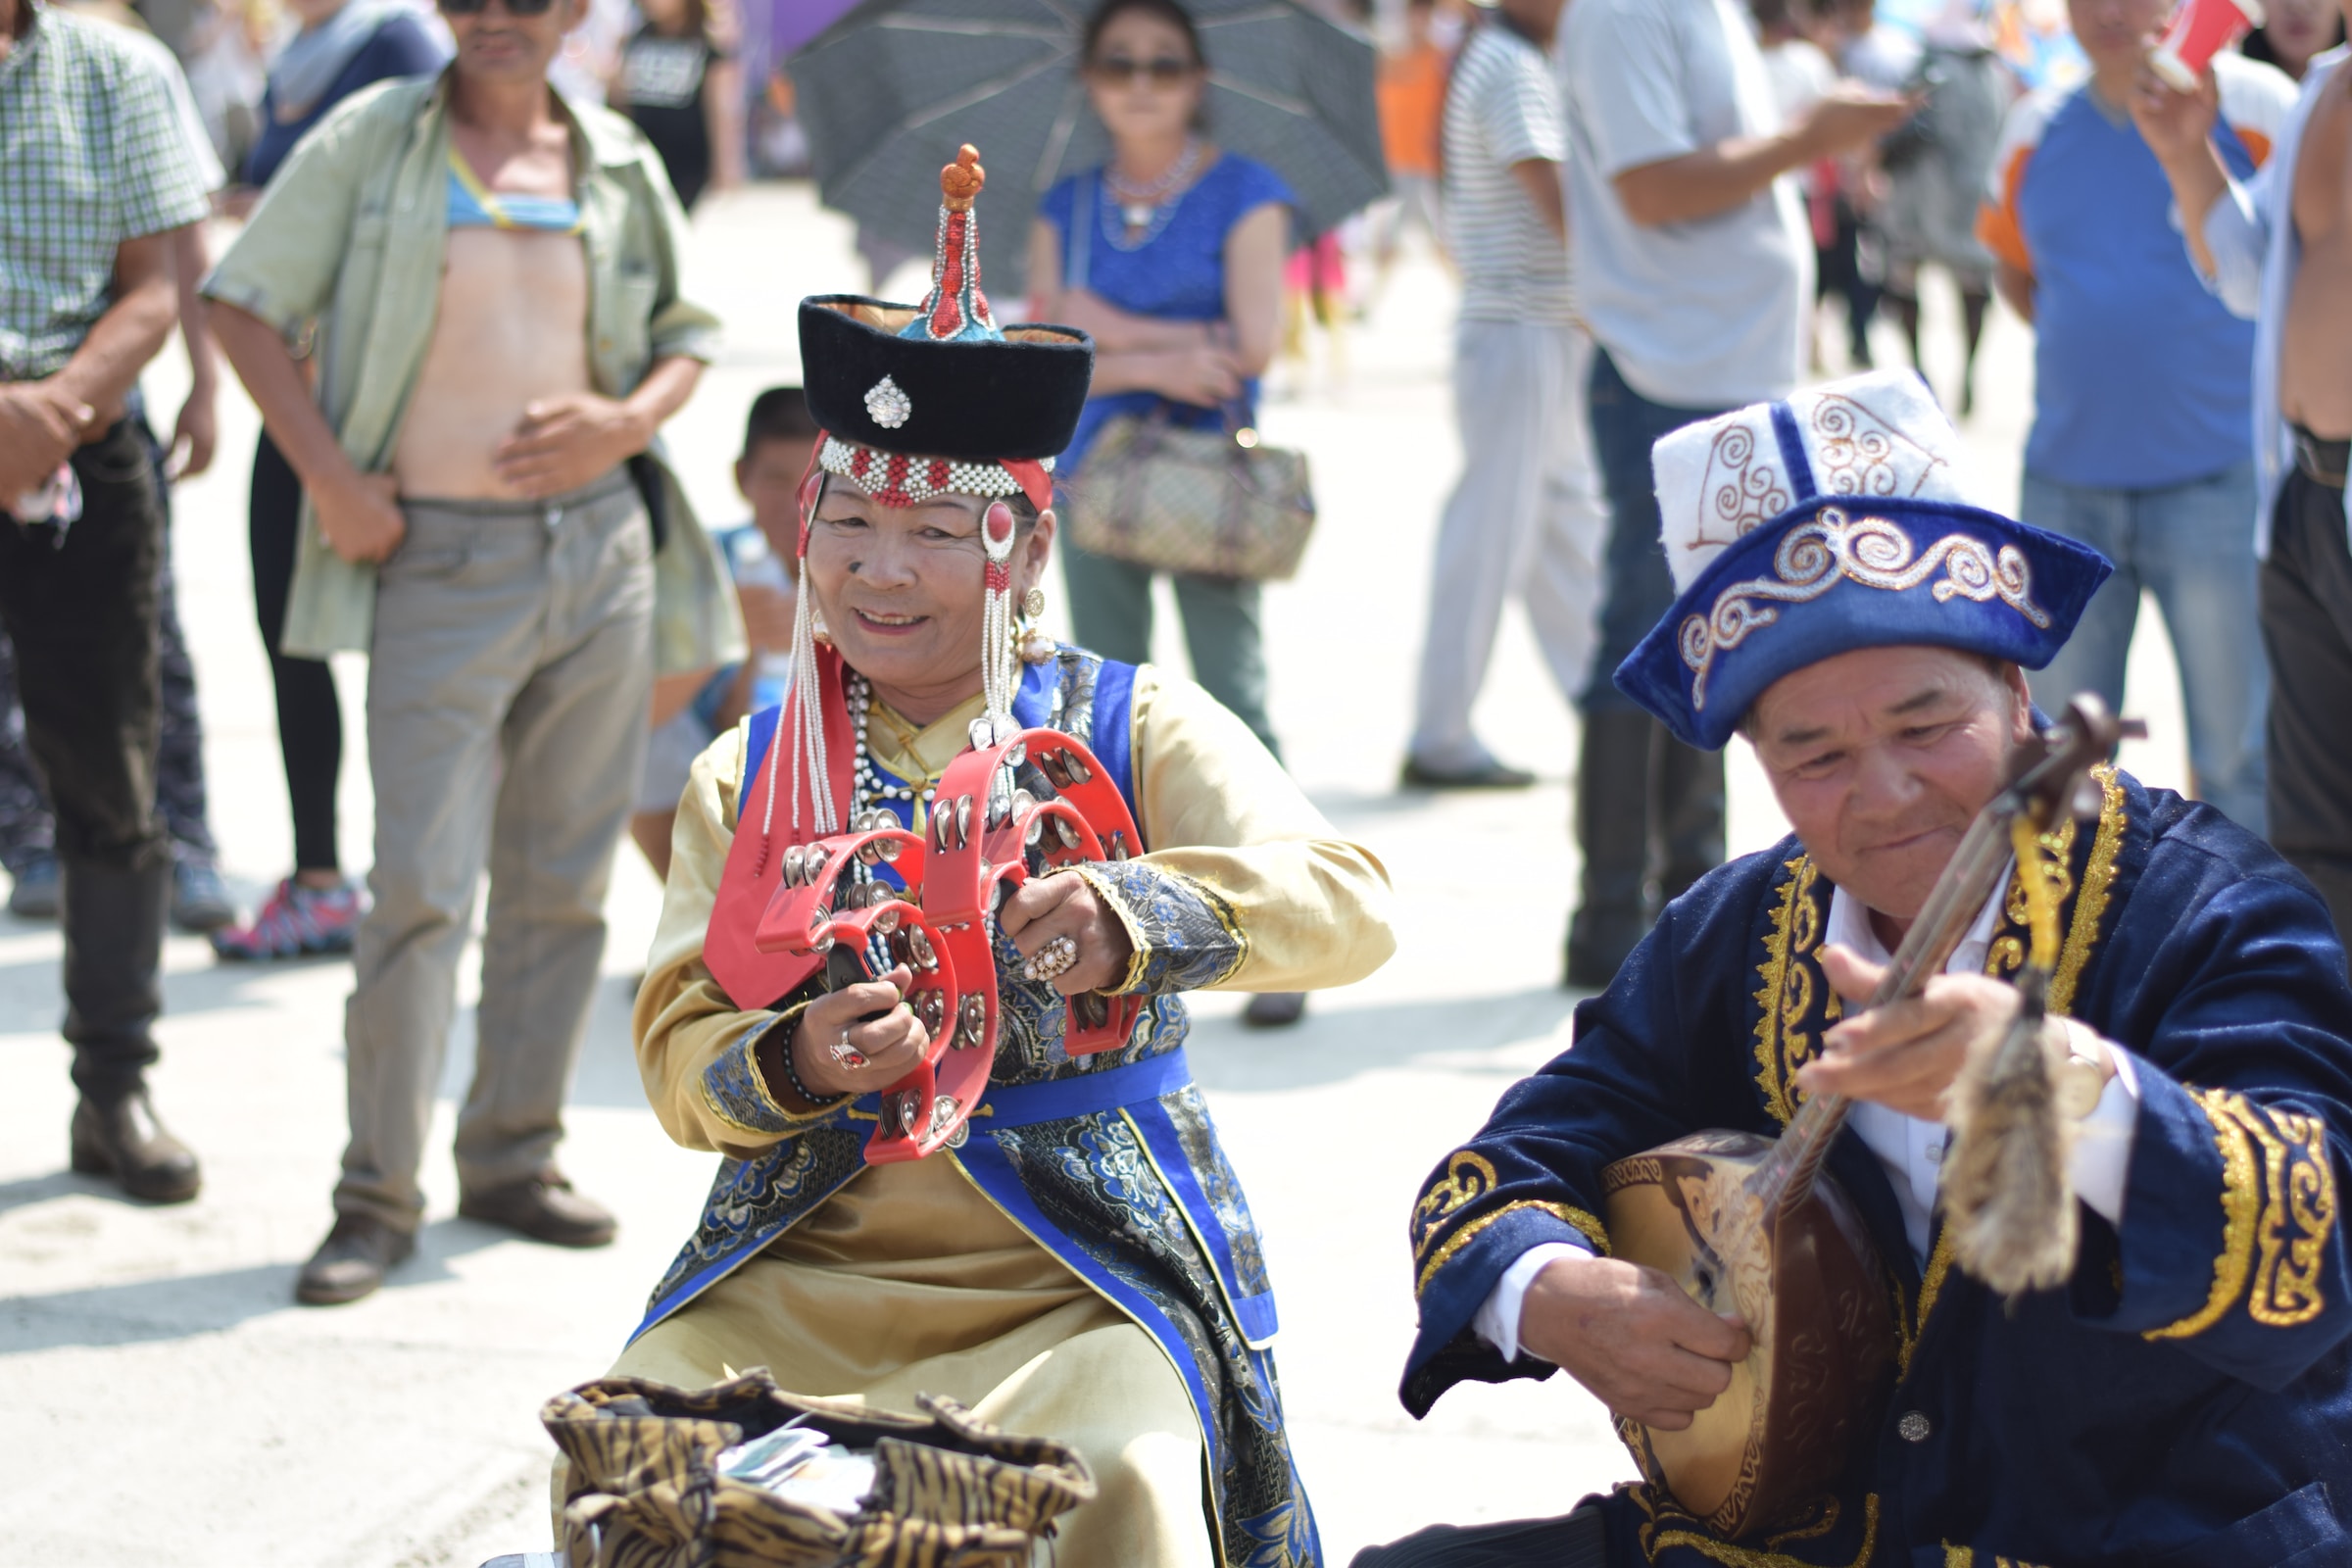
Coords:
pixel 1836 519
pixel 921 401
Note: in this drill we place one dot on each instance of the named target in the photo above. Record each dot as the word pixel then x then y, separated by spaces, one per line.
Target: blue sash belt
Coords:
pixel 1113 1089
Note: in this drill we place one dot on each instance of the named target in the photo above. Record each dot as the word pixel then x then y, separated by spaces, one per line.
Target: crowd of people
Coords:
pixel 457 299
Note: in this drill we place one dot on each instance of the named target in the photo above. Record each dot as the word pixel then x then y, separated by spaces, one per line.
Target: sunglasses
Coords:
pixel 514 7
pixel 1164 71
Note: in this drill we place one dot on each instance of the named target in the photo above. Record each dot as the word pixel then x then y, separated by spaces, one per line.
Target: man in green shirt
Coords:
pixel 493 278
pixel 94 179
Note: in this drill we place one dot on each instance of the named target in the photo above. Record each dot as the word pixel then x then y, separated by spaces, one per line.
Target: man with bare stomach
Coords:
pixel 505 266
pixel 2280 251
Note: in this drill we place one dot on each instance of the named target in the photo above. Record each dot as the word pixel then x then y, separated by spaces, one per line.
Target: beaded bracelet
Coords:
pixel 792 1076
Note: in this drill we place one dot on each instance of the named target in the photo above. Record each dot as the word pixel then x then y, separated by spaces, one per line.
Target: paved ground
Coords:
pixel 169 1403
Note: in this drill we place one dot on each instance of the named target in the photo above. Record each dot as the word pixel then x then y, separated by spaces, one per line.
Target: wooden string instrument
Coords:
pixel 1754 1225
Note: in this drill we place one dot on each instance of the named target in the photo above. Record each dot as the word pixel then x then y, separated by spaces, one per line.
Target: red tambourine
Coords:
pixel 984 828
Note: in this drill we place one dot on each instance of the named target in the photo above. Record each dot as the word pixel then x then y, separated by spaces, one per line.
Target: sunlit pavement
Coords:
pixel 169 1403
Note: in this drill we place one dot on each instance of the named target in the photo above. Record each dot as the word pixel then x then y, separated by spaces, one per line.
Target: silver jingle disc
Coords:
pixel 794 856
pixel 964 820
pixel 961 1136
pixel 943 1111
pixel 889 848
pixel 887 921
pixel 1064 830
pixel 1079 771
pixel 920 945
pixel 910 1113
pixel 1017 756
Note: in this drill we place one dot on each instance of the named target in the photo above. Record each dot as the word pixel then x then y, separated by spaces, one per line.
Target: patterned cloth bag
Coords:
pixel 643 1488
pixel 1215 502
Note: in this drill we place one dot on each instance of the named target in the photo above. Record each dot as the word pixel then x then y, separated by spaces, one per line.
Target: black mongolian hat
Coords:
pixel 939 379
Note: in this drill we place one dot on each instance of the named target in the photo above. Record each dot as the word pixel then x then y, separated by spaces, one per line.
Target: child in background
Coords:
pixel 690 711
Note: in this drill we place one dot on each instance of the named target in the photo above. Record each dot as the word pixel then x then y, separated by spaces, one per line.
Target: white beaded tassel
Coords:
pixel 999 660
pixel 802 711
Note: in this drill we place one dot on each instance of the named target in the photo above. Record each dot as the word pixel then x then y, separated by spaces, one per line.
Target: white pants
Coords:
pixel 1527 517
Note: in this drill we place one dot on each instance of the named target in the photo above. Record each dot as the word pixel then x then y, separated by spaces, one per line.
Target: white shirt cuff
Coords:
pixel 1498 1320
pixel 2101 1165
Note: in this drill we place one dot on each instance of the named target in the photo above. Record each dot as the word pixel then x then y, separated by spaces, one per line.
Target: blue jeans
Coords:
pixel 2192 545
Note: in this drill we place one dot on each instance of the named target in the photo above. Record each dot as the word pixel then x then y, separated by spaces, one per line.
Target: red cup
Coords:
pixel 2201 30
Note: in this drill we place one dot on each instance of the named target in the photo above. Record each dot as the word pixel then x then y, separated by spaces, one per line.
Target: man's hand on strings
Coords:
pixel 1628 1334
pixel 1905 1054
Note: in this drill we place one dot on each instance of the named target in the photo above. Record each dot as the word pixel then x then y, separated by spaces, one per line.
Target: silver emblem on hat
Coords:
pixel 888 404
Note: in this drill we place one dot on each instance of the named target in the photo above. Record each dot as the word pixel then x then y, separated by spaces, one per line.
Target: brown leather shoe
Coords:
pixel 124 1139
pixel 352 1261
pixel 543 1208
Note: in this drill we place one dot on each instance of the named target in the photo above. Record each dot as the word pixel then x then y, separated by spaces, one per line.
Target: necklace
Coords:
pixel 872 789
pixel 1145 209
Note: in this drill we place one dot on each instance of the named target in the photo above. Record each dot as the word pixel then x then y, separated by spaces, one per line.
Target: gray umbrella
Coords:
pixel 891 90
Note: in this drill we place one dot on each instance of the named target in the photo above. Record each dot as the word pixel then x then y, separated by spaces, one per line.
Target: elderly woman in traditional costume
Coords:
pixel 1075 1260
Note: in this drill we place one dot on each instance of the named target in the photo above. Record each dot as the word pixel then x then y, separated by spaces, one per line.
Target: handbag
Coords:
pixel 653 1478
pixel 1215 502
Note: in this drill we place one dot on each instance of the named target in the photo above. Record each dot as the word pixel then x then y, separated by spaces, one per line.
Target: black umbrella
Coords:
pixel 891 90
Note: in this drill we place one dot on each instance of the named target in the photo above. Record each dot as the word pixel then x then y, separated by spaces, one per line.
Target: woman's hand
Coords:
pixel 1068 906
pixel 834 1054
pixel 1205 375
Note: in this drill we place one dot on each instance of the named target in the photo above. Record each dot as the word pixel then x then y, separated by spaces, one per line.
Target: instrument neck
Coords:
pixel 1786 1176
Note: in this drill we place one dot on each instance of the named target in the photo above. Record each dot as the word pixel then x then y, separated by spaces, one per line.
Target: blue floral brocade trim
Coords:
pixel 1186 934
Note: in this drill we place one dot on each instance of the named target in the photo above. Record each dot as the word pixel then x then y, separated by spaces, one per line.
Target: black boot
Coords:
pixel 1690 804
pixel 122 1138
pixel 114 930
pixel 1612 833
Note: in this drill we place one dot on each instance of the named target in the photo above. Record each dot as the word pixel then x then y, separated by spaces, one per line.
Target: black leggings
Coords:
pixel 310 719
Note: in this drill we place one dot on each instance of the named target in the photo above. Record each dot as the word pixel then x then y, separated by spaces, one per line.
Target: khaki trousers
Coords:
pixel 506 692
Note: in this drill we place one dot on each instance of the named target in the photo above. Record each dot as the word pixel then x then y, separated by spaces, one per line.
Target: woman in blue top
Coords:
pixel 1181 291
pixel 344 45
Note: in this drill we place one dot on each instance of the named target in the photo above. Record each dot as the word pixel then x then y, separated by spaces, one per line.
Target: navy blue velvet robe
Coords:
pixel 2186 1399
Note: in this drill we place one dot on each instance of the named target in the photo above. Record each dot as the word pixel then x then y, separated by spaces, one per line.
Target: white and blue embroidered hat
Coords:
pixel 1837 519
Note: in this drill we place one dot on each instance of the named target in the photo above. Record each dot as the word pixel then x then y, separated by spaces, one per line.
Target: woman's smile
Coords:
pixel 888 623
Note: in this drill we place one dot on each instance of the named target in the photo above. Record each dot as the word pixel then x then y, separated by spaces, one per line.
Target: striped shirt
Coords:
pixel 90 156
pixel 1503 109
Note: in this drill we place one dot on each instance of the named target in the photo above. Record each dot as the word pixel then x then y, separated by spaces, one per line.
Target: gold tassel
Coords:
pixel 2007 1193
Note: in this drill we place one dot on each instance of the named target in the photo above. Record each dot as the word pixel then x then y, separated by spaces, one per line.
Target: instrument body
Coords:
pixel 1812 1289
pixel 1024 803
pixel 1755 1225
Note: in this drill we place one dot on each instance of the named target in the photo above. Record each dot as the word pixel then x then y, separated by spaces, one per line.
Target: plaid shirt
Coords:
pixel 90 156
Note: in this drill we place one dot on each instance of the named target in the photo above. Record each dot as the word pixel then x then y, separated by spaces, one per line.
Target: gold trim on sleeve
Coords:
pixel 2240 1204
pixel 1586 1224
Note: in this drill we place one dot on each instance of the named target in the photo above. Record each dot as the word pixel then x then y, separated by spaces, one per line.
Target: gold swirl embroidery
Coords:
pixel 1590 1227
pixel 1785 999
pixel 1815 556
pixel 2299 1216
pixel 1657 1535
pixel 1468 1176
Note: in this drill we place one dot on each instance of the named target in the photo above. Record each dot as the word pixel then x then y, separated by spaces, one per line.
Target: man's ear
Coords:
pixel 2020 691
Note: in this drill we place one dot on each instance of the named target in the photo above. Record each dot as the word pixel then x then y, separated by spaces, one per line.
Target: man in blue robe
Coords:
pixel 2186 1396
